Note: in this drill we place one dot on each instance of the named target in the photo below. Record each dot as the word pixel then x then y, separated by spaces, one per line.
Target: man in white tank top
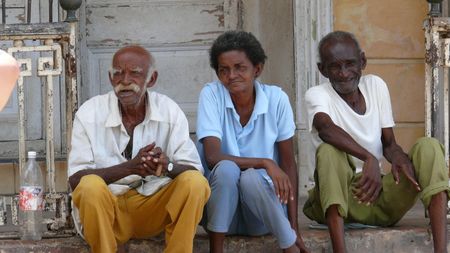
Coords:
pixel 350 120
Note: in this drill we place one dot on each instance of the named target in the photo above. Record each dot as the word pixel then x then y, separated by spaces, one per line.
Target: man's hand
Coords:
pixel 401 163
pixel 157 158
pixel 399 160
pixel 148 159
pixel 368 186
pixel 281 182
pixel 137 162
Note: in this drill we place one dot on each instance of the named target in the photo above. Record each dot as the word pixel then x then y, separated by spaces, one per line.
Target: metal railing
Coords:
pixel 55 42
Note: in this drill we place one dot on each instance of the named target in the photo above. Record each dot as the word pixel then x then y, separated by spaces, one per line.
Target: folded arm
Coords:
pixel 213 155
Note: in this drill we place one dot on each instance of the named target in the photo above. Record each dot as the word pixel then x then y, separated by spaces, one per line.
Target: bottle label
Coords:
pixel 31 198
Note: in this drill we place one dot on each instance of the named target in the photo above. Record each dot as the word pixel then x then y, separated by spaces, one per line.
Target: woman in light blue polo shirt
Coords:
pixel 245 131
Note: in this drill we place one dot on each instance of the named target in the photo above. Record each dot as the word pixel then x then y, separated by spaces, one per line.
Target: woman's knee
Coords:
pixel 252 183
pixel 225 173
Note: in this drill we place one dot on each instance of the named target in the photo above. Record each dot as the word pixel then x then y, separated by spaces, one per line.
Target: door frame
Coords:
pixel 312 20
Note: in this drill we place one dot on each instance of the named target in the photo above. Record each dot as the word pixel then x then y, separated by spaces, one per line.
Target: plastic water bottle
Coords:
pixel 31 200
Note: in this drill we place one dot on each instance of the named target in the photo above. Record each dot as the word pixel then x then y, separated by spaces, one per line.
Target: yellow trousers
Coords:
pixel 109 220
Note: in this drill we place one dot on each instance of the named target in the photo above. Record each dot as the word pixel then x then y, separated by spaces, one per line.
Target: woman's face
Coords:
pixel 236 72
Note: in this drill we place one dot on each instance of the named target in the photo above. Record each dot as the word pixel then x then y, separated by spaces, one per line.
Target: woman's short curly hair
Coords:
pixel 236 40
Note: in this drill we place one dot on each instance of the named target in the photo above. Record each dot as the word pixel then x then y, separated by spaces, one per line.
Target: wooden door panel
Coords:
pixel 178 33
pixel 153 23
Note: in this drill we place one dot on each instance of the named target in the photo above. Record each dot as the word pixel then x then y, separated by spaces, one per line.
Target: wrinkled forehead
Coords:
pixel 131 59
pixel 339 51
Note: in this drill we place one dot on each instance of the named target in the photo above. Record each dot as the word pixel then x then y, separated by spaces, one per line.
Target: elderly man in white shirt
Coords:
pixel 133 169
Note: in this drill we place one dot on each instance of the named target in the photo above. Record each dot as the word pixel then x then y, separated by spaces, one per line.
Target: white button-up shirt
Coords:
pixel 99 138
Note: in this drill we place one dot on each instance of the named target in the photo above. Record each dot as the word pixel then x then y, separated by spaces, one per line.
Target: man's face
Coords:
pixel 342 64
pixel 128 76
pixel 236 72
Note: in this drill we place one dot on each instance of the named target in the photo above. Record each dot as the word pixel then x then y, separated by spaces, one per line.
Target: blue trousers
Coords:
pixel 245 203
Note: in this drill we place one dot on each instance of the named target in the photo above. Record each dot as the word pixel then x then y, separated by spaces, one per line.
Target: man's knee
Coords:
pixel 426 147
pixel 193 182
pixel 91 189
pixel 90 183
pixel 327 151
pixel 328 156
pixel 427 153
pixel 426 143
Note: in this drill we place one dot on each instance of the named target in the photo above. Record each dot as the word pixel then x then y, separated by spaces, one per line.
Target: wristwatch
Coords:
pixel 169 167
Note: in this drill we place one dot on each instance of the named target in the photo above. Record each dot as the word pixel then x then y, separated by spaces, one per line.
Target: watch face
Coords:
pixel 170 167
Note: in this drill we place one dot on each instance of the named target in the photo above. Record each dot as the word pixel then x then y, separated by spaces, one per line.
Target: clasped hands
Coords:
pixel 150 160
pixel 367 189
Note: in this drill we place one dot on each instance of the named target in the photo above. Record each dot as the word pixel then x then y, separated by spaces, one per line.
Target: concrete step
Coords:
pixel 411 235
pixel 397 239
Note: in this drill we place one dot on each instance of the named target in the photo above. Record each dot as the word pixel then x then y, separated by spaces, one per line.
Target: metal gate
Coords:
pixel 54 43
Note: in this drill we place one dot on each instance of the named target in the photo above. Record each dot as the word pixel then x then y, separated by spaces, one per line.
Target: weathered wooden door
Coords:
pixel 178 33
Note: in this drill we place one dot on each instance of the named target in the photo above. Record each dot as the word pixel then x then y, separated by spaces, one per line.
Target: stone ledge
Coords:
pixel 411 235
pixel 381 240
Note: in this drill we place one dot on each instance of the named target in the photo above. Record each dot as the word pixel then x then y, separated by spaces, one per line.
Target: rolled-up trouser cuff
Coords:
pixel 287 242
pixel 432 190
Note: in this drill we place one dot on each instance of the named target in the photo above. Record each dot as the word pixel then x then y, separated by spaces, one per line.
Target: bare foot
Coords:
pixel 292 249
pixel 121 248
pixel 301 245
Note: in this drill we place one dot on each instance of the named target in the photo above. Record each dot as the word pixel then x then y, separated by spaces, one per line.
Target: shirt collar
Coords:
pixel 153 112
pixel 228 101
pixel 261 103
pixel 115 119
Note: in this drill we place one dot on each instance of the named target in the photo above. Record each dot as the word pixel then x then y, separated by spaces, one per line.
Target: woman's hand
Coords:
pixel 281 182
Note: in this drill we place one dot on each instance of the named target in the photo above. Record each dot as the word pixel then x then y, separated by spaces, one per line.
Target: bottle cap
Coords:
pixel 31 154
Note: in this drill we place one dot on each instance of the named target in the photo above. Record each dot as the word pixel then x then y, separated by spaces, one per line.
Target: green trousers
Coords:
pixel 335 175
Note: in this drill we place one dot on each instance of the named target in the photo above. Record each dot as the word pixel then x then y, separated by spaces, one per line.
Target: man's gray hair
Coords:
pixel 337 36
pixel 151 68
pixel 151 65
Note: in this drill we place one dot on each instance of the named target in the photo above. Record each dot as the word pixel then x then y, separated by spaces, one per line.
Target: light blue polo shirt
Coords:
pixel 272 121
